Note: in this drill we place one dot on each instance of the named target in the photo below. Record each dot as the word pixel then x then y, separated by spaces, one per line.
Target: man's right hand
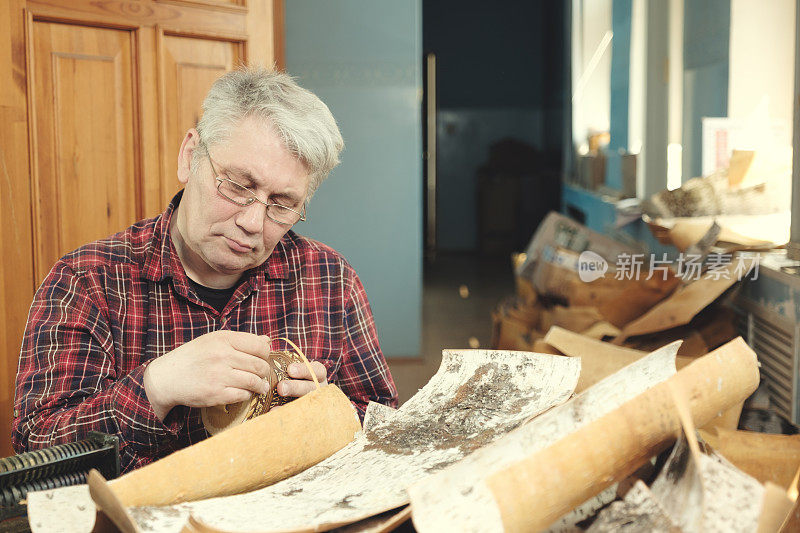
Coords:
pixel 217 368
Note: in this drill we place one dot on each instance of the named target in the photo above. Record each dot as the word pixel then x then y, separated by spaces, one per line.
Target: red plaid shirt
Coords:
pixel 110 307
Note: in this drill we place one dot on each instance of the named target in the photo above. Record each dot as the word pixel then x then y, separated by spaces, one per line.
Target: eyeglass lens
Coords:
pixel 244 197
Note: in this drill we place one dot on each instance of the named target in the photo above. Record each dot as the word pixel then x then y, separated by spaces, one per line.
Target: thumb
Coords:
pixel 268 341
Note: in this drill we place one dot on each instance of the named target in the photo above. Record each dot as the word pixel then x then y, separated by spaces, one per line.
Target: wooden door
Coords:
pixel 96 99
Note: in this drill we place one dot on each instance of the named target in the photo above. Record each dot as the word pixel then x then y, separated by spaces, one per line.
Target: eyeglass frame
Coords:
pixel 253 198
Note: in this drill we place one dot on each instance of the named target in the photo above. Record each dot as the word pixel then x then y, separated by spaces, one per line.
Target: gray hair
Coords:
pixel 303 121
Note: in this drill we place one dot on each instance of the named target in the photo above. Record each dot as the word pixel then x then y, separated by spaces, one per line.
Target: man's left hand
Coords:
pixel 301 382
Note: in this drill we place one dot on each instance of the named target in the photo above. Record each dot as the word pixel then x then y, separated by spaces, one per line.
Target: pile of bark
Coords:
pixel 642 311
pixel 717 478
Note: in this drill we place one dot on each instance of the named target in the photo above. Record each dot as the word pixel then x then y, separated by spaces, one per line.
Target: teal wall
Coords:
pixel 706 39
pixel 620 83
pixel 364 59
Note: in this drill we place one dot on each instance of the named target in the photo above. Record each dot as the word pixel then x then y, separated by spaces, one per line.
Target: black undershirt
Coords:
pixel 216 298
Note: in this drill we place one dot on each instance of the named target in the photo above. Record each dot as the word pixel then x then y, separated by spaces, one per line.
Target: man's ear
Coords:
pixel 188 146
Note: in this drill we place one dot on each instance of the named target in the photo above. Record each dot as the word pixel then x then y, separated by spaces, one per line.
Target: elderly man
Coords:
pixel 130 335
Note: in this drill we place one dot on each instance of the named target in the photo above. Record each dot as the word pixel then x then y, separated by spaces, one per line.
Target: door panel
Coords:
pixel 85 181
pixel 189 66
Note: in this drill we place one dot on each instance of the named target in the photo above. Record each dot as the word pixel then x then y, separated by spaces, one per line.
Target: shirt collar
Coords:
pixel 158 264
pixel 162 260
pixel 277 263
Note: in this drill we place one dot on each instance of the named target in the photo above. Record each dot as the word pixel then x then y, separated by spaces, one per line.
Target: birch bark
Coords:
pixel 476 397
pixel 458 499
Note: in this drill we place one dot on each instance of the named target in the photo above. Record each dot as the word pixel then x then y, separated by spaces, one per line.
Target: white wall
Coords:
pixel 648 90
pixel 675 102
pixel 762 60
pixel 591 78
pixel 636 88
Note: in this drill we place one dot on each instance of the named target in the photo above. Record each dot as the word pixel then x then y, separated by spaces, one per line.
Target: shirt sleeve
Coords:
pixel 363 375
pixel 67 380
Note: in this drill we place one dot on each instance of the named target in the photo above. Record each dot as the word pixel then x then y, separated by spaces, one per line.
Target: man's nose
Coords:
pixel 251 219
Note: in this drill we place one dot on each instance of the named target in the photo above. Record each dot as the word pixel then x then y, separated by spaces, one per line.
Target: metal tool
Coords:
pixel 58 466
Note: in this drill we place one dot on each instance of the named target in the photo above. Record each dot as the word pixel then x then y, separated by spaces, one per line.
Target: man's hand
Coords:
pixel 301 383
pixel 217 368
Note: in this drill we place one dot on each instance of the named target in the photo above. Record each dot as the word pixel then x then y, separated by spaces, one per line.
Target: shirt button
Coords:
pixel 16 413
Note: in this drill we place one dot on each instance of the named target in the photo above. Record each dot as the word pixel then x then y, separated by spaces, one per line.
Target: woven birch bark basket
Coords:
pixel 222 417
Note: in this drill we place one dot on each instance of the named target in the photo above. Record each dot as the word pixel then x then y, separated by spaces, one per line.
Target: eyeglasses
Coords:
pixel 243 196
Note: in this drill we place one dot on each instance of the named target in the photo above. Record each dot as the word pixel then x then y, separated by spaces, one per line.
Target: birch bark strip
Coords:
pixel 775 507
pixel 724 499
pixel 638 512
pixel 598 359
pixel 766 457
pixel 685 303
pixel 537 490
pixel 67 510
pixel 569 522
pixel 377 413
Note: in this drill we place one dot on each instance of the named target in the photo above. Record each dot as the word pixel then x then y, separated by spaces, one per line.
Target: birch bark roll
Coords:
pixel 252 455
pixel 532 493
pixel 599 359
